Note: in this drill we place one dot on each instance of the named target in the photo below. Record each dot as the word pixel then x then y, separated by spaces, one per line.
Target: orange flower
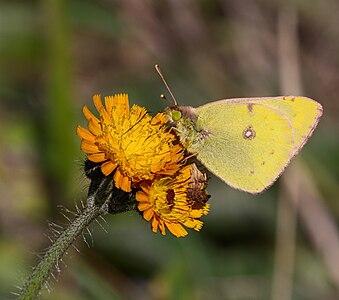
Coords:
pixel 129 141
pixel 173 201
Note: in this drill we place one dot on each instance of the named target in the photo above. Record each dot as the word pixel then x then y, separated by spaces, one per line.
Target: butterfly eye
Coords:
pixel 176 115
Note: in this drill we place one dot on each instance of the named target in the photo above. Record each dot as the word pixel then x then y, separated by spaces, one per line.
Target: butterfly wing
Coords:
pixel 249 142
pixel 304 114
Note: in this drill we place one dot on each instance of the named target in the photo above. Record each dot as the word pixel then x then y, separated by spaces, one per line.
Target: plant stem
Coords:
pixel 41 273
pixel 102 198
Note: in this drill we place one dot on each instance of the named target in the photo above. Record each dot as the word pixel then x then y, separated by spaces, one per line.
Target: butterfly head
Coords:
pixel 183 119
pixel 179 114
pixel 173 114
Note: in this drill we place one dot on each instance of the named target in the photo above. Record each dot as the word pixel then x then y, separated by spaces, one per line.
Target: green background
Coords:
pixel 54 55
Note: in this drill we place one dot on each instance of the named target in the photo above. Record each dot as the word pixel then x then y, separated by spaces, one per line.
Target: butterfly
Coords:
pixel 246 142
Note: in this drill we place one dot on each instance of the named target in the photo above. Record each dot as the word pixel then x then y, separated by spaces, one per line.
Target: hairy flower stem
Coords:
pixel 97 204
pixel 41 273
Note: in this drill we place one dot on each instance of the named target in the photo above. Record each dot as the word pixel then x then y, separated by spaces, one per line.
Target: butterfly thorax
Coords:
pixel 185 120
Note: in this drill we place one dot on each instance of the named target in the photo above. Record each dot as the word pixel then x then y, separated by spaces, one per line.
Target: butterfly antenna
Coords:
pixel 157 68
pixel 162 96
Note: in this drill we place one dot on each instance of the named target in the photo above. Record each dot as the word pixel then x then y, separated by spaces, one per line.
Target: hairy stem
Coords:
pixel 99 196
pixel 41 273
pixel 103 197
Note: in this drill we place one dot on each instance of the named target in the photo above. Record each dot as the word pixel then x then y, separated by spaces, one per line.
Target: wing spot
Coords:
pixel 272 152
pixel 263 163
pixel 249 133
pixel 252 172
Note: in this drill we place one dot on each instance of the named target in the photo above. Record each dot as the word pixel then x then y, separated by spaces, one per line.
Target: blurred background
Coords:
pixel 54 55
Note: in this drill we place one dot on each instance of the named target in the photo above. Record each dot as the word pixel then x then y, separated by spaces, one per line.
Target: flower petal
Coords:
pixel 97 102
pixel 94 127
pixel 109 103
pixel 121 181
pixel 148 214
pixel 88 115
pixel 85 134
pixel 97 157
pixel 126 184
pixel 141 196
pixel 162 227
pixel 155 224
pixel 142 206
pixel 108 167
pixel 176 229
pixel 88 147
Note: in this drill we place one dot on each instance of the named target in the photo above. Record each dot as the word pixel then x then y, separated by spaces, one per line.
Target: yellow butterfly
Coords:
pixel 246 142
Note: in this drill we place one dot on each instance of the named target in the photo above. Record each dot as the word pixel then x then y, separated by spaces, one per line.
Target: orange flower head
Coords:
pixel 129 141
pixel 175 201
